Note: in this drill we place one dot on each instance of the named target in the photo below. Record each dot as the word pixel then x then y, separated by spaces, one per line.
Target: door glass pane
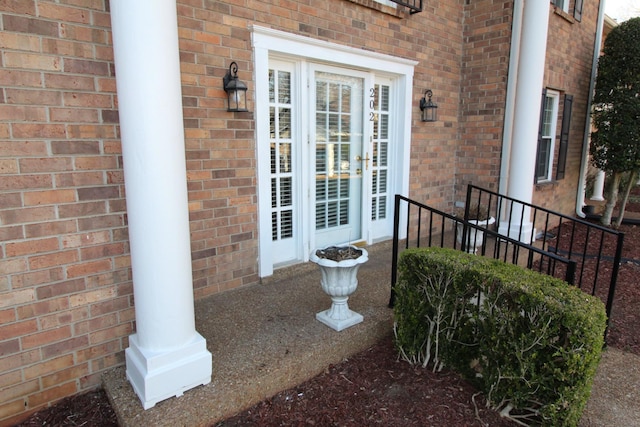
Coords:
pixel 284 123
pixel 285 192
pixel 284 88
pixel 384 126
pixel 334 128
pixel 380 157
pixel 338 141
pixel 272 151
pixel 321 101
pixel 286 224
pixel 346 98
pixel 384 153
pixel 285 157
pixel 282 155
pixel 272 89
pixel 321 125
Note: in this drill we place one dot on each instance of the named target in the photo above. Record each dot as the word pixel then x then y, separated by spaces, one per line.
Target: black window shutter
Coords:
pixel 544 97
pixel 577 10
pixel 564 136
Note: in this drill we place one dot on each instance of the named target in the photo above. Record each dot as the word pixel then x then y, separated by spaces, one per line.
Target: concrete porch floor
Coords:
pixel 265 338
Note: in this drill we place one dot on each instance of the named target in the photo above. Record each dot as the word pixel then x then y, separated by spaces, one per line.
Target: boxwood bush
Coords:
pixel 531 343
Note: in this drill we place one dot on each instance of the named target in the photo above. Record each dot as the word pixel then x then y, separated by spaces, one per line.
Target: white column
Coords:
pixel 598 187
pixel 166 356
pixel 530 80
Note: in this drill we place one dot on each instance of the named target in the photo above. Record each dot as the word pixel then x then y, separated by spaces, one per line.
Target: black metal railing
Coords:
pixel 597 250
pixel 583 254
pixel 449 231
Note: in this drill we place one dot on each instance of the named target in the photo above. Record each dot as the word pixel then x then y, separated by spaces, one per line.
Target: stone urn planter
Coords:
pixel 475 237
pixel 339 267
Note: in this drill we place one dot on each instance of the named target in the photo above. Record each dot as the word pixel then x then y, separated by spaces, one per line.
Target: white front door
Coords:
pixel 337 134
pixel 332 144
pixel 329 163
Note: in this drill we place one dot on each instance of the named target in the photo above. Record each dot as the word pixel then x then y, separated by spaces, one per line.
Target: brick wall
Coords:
pixel 487 34
pixel 485 67
pixel 220 145
pixel 66 306
pixel 65 287
pixel 437 38
pixel 66 293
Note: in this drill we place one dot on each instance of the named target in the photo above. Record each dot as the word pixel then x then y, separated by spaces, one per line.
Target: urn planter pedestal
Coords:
pixel 339 281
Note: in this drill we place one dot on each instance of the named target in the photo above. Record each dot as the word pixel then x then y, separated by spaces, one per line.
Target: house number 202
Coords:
pixel 372 104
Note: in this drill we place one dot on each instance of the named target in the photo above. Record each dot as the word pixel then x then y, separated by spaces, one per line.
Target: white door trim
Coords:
pixel 268 42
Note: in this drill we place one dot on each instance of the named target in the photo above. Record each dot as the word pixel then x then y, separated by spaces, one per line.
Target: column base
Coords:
pixel 524 233
pixel 156 376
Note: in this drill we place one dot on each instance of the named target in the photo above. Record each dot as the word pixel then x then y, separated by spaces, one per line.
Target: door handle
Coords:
pixel 366 161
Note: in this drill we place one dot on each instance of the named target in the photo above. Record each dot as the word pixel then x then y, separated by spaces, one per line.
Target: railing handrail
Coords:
pixel 562 221
pixel 599 227
pixel 512 219
pixel 571 264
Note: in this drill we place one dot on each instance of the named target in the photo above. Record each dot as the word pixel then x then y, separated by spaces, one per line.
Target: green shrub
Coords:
pixel 530 342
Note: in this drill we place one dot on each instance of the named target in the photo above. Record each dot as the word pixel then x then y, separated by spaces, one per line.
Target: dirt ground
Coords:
pixel 375 388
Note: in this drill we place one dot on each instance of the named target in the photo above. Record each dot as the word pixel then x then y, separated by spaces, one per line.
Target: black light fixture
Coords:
pixel 428 108
pixel 236 90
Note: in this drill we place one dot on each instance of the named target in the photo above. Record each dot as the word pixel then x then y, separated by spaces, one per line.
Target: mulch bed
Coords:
pixel 375 388
pixel 596 278
pixel 88 409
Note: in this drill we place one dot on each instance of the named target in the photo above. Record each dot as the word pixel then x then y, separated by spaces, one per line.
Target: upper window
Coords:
pixel 547 135
pixel 546 141
pixel 391 6
pixel 564 6
pixel 386 3
pixel 414 6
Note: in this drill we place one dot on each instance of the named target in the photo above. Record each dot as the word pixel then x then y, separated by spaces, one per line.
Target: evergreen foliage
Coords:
pixel 615 142
pixel 530 342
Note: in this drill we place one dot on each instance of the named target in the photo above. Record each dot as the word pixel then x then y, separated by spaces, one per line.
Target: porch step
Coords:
pixel 264 339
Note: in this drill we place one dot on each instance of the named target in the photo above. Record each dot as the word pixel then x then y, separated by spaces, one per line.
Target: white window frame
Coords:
pixel 387 3
pixel 269 43
pixel 550 136
pixel 562 4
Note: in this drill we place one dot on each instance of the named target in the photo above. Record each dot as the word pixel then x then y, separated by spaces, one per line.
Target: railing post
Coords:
pixel 570 276
pixel 465 226
pixel 394 252
pixel 614 277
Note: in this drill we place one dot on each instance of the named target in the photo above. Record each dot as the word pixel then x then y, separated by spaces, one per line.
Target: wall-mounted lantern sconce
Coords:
pixel 429 109
pixel 236 90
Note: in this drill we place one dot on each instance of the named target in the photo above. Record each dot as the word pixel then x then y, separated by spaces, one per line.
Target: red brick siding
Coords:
pixel 485 66
pixel 221 147
pixel 66 304
pixel 65 293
